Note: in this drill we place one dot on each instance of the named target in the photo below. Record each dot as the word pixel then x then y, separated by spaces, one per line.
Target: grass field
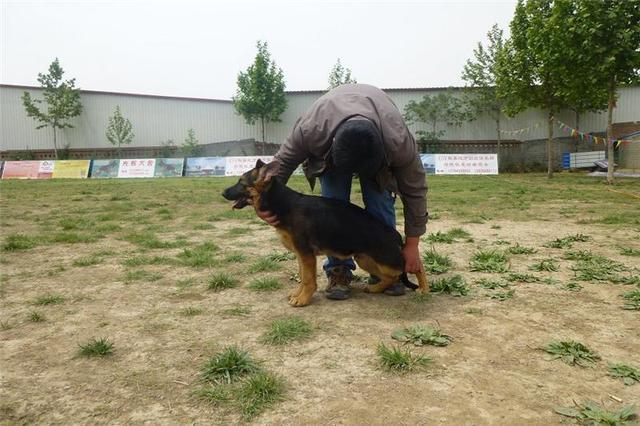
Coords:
pixel 151 301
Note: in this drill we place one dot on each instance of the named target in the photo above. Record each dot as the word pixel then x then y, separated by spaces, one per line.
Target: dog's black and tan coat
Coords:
pixel 311 226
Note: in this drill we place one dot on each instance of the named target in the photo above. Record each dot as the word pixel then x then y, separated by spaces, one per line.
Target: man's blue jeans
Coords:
pixel 378 204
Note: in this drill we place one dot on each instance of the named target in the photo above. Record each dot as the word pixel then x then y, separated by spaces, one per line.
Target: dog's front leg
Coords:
pixel 302 296
pixel 423 284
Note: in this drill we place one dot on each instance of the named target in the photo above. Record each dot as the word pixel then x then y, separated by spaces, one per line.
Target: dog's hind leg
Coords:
pixel 387 275
pixel 308 277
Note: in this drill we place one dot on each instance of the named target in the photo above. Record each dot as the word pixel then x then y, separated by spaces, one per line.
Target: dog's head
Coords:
pixel 248 188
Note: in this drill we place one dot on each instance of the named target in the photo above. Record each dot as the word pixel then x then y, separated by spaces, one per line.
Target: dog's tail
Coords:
pixel 405 280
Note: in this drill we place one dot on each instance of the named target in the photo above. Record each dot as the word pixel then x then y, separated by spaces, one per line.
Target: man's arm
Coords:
pixel 412 188
pixel 291 153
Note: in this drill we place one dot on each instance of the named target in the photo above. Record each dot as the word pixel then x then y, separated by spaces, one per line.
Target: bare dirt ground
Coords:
pixel 493 372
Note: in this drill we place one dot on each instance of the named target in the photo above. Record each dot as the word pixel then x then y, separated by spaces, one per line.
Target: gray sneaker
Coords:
pixel 339 278
pixel 397 289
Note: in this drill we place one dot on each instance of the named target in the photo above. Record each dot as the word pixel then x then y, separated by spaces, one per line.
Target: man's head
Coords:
pixel 357 148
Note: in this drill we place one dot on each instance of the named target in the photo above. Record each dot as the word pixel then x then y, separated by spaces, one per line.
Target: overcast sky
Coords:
pixel 196 49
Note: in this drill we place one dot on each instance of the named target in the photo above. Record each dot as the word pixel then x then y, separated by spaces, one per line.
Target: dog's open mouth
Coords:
pixel 241 202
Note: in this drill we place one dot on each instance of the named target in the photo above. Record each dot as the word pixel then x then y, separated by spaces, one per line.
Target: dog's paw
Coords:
pixel 423 290
pixel 299 300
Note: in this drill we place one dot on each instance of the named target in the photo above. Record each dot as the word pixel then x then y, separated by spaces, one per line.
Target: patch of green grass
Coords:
pixel 151 241
pixel 148 260
pixel 592 414
pixel 185 283
pixel 571 286
pixel 265 284
pixel 229 365
pixel 36 316
pixel 400 360
pixel 201 256
pixel 265 264
pixel 87 261
pixel 233 232
pixel 190 311
pixel 518 249
pixel 567 242
pixel 522 278
pixel 489 261
pixel 632 300
pixel 572 353
pixel 631 279
pixel 74 238
pixel 215 395
pixel 281 257
pixel 591 267
pixel 449 237
pixel 420 297
pixel 49 299
pixel 629 251
pixel 5 325
pixel 421 335
pixel 629 374
pixel 203 226
pixel 548 265
pixel 435 263
pixel 69 223
pixel 455 285
pixel 549 281
pixel 141 275
pixel 234 258
pixel 491 284
pixel 222 281
pixel 15 242
pixel 96 347
pixel 107 227
pixel 502 295
pixel 259 392
pixel 288 329
pixel 237 311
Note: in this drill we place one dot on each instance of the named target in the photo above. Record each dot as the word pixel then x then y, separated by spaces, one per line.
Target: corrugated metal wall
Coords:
pixel 156 119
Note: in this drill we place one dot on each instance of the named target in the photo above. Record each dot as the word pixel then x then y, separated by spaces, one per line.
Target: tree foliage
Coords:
pixel 340 75
pixel 62 101
pixel 119 130
pixel 434 110
pixel 191 146
pixel 260 94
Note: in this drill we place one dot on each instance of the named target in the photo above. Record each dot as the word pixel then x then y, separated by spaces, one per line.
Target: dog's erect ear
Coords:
pixel 259 164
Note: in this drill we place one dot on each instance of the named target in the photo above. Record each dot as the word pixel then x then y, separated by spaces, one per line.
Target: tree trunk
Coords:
pixel 264 143
pixel 499 140
pixel 550 146
pixel 55 143
pixel 610 155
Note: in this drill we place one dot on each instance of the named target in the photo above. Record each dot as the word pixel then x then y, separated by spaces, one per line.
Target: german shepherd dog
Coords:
pixel 311 226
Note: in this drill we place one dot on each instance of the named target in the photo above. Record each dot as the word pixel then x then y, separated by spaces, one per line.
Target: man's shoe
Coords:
pixel 339 279
pixel 397 289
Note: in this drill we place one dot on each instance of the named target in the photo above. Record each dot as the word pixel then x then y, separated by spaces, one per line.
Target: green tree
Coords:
pixel 260 94
pixel 167 148
pixel 191 146
pixel 608 55
pixel 480 74
pixel 119 131
pixel 62 102
pixel 340 75
pixel 531 69
pixel 434 110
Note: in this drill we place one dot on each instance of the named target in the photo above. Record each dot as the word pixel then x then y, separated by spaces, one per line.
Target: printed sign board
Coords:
pixel 428 162
pixel 71 169
pixel 168 167
pixel 235 166
pixel 104 168
pixel 27 169
pixel 205 166
pixel 137 168
pixel 466 164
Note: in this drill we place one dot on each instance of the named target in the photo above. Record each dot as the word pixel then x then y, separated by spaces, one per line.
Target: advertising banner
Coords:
pixel 205 166
pixel 27 169
pixel 235 166
pixel 168 167
pixel 71 169
pixel 466 164
pixel 104 168
pixel 137 168
pixel 428 162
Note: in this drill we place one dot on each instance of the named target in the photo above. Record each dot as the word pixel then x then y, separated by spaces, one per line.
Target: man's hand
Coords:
pixel 411 254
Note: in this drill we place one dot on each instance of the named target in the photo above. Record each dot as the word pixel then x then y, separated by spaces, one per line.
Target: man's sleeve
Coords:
pixel 291 153
pixel 412 188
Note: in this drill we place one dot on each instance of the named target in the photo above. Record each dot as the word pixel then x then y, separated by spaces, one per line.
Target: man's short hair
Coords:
pixel 357 148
